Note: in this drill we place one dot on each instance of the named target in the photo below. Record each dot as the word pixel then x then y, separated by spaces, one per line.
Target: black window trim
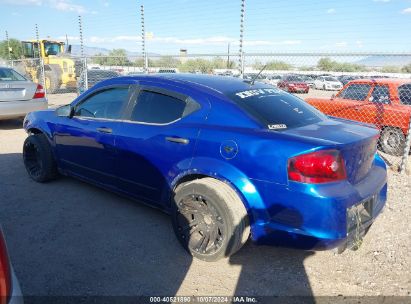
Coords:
pixel 123 111
pixel 140 88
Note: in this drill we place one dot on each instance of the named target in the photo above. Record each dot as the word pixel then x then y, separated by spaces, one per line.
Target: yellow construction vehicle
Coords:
pixel 60 70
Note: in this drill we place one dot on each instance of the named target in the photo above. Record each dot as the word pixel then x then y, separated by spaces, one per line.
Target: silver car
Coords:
pixel 19 96
pixel 9 286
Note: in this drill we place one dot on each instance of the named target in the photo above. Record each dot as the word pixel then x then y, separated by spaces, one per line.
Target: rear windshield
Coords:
pixel 294 78
pixel 10 75
pixel 330 79
pixel 276 109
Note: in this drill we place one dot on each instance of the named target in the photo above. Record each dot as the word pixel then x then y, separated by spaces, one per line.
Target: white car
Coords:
pixel 273 79
pixel 19 96
pixel 327 83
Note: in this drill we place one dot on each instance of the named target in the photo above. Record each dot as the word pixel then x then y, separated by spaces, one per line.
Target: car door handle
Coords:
pixel 105 130
pixel 178 140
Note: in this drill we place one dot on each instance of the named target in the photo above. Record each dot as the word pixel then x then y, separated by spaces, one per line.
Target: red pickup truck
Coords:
pixel 384 102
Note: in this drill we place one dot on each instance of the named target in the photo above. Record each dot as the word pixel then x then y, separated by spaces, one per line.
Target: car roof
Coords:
pixel 381 81
pixel 222 84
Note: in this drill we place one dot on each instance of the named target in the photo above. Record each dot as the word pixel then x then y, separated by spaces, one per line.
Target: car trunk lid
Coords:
pixel 17 90
pixel 357 143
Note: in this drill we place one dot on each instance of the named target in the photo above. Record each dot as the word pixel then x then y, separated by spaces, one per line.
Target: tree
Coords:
pixel 16 49
pixel 166 62
pixel 406 68
pixel 391 69
pixel 326 64
pixel 118 57
pixel 100 59
pixel 273 65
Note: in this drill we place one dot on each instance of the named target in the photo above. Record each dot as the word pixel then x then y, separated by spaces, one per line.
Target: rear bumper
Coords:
pixel 14 109
pixel 298 90
pixel 314 217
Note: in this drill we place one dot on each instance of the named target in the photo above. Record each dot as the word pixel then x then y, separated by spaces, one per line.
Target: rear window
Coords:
pixel 10 75
pixel 405 94
pixel 276 109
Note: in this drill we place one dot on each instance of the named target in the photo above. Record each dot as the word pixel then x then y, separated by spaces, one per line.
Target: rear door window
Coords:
pixel 355 92
pixel 404 93
pixel 158 108
pixel 381 94
pixel 275 109
pixel 10 75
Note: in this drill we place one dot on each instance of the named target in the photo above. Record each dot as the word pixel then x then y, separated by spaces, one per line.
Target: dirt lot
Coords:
pixel 70 238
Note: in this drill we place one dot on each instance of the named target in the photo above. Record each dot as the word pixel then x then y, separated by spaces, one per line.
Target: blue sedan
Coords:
pixel 226 158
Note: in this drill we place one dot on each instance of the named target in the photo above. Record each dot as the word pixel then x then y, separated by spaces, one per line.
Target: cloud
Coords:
pixel 60 5
pixel 331 11
pixel 341 44
pixel 359 43
pixel 406 11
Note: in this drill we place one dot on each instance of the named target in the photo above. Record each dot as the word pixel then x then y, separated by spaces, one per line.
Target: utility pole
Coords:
pixel 80 27
pixel 241 53
pixel 143 41
pixel 41 62
pixel 228 55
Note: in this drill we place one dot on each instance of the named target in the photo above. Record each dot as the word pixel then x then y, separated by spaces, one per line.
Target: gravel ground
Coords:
pixel 70 238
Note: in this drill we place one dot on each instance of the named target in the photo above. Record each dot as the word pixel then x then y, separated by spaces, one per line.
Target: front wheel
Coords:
pixel 392 141
pixel 209 219
pixel 38 158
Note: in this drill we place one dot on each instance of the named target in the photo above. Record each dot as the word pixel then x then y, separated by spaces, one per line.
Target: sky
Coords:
pixel 212 26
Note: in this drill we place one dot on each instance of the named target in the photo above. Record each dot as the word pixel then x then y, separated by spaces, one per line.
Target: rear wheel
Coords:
pixel 392 141
pixel 209 219
pixel 38 158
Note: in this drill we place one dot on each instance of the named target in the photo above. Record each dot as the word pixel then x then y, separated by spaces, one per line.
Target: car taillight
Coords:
pixel 317 167
pixel 39 92
pixel 5 275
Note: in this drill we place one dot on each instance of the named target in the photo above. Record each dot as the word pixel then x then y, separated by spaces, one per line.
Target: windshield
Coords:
pixel 10 75
pixel 330 79
pixel 52 48
pixel 277 109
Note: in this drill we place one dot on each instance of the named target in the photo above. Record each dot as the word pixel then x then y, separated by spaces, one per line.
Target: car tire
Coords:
pixel 206 209
pixel 392 141
pixel 38 158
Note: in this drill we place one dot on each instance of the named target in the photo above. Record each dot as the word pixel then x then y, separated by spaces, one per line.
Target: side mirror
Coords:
pixel 65 111
pixel 371 99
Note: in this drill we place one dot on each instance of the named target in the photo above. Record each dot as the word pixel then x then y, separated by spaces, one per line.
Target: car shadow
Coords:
pixel 68 238
pixel 11 124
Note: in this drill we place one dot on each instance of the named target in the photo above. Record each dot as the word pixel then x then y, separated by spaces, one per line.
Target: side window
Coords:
pixel 153 107
pixel 355 92
pixel 106 104
pixel 404 93
pixel 381 94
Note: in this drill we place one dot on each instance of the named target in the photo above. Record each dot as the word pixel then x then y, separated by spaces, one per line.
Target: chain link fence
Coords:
pixel 368 88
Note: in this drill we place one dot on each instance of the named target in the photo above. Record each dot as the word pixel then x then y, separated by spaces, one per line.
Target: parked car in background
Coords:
pixel 327 83
pixel 10 292
pixel 167 71
pixel 272 79
pixel 293 84
pixel 93 77
pixel 385 103
pixel 308 80
pixel 347 78
pixel 18 95
pixel 223 156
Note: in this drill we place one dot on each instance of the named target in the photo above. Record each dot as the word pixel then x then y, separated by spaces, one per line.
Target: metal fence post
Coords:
pixel 241 53
pixel 43 75
pixel 83 58
pixel 143 41
pixel 8 45
pixel 407 147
